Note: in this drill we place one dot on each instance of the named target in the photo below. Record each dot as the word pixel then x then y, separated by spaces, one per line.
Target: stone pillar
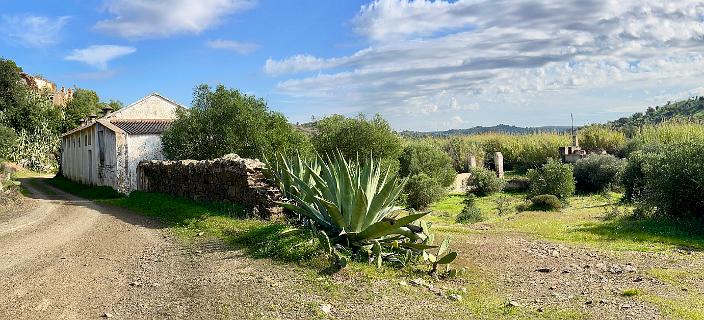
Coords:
pixel 472 162
pixel 499 164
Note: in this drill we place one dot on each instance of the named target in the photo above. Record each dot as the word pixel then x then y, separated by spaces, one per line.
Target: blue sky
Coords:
pixel 424 65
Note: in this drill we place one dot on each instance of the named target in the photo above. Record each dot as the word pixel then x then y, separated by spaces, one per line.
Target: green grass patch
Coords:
pixel 630 292
pixel 225 221
pixel 84 191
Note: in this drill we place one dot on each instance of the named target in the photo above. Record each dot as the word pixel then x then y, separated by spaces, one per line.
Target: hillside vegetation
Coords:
pixel 691 109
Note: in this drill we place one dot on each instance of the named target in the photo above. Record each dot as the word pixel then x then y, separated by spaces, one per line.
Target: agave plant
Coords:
pixel 353 203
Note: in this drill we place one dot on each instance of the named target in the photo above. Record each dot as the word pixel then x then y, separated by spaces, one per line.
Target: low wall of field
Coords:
pixel 227 179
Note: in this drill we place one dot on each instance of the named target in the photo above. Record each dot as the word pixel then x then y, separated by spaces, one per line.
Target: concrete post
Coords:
pixel 499 164
pixel 472 162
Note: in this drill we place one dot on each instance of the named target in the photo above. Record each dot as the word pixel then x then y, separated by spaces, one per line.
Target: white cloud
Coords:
pixel 231 45
pixel 32 31
pixel 99 55
pixel 497 53
pixel 136 19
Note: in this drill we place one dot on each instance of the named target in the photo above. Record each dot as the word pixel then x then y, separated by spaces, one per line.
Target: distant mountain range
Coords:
pixel 502 128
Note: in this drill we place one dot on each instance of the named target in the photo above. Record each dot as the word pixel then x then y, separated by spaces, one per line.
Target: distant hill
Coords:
pixel 502 128
pixel 690 109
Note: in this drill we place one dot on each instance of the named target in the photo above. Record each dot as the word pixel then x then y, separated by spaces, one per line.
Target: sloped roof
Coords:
pixel 146 126
pixel 117 113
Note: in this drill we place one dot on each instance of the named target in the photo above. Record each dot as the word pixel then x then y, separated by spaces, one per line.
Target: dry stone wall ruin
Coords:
pixel 227 179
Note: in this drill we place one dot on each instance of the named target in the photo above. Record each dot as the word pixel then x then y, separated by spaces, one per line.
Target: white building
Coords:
pixel 106 151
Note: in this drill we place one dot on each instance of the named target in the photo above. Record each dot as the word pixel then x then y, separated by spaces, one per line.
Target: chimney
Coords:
pixel 107 110
pixel 93 117
pixel 82 121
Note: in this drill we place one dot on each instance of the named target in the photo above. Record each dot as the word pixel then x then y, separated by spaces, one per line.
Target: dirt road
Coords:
pixel 62 257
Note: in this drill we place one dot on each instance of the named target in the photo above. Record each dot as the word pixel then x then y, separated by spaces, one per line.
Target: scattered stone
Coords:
pixel 454 297
pixel 403 283
pixel 555 253
pixel 199 251
pixel 544 270
pixel 107 315
pixel 326 308
pixel 603 301
pixel 626 306
pixel 418 282
pixel 629 268
pixel 638 279
pixel 200 234
pixel 685 289
pixel 616 269
pixel 589 302
pixel 513 304
pixel 540 309
pixel 552 288
pixel 135 284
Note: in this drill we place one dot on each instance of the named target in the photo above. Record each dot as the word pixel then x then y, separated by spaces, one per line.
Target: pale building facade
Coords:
pixel 107 151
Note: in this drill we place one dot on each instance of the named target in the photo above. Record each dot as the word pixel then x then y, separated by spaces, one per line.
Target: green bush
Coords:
pixel 545 202
pixel 483 182
pixel 422 190
pixel 633 177
pixel 598 172
pixel 8 139
pixel 224 121
pixel 555 178
pixel 470 214
pixel 358 138
pixel 672 180
pixel 423 157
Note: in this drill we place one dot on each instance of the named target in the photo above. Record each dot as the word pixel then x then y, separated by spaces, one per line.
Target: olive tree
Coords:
pixel 223 121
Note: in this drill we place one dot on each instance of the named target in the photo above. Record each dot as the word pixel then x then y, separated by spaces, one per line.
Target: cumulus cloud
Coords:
pixel 32 31
pixel 424 53
pixel 234 46
pixel 136 19
pixel 99 55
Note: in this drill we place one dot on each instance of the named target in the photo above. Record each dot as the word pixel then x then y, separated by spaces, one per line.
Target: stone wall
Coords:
pixel 230 179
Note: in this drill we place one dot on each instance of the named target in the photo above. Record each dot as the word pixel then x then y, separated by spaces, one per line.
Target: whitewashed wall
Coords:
pixel 151 107
pixel 142 147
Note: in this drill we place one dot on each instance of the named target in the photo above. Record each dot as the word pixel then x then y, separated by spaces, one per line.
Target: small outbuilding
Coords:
pixel 106 151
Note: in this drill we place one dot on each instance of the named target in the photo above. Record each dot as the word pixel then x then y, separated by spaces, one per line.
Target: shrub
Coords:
pixel 484 182
pixel 422 190
pixel 545 202
pixel 633 177
pixel 555 178
pixel 673 179
pixel 598 137
pixel 470 214
pixel 227 121
pixel 460 149
pixel 8 139
pixel 358 137
pixel 598 172
pixel 423 157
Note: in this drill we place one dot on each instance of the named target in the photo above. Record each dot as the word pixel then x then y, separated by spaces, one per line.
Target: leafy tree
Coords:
pixel 84 103
pixel 223 121
pixel 358 137
pixel 11 88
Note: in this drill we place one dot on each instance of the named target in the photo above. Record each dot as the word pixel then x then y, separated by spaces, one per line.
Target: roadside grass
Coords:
pixel 586 221
pixel 684 300
pixel 84 191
